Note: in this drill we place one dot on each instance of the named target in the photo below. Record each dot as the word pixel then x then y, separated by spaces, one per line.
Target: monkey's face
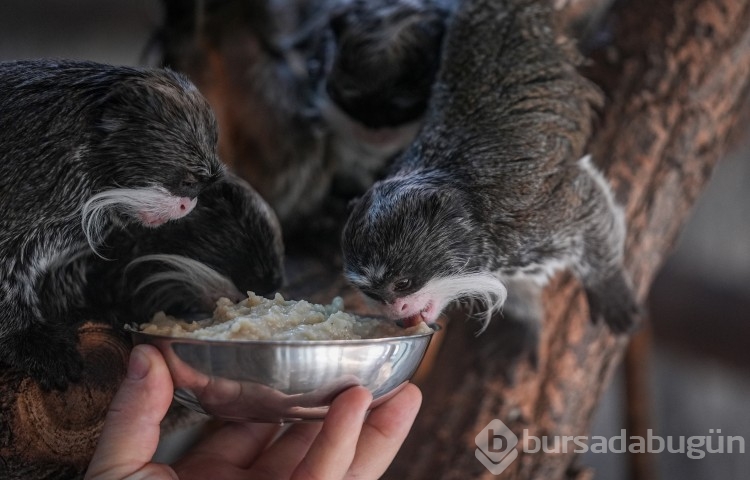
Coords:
pixel 234 222
pixel 154 148
pixel 231 222
pixel 402 241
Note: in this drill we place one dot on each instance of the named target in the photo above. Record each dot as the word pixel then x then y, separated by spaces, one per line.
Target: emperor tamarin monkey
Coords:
pixel 230 244
pixel 85 148
pixel 496 184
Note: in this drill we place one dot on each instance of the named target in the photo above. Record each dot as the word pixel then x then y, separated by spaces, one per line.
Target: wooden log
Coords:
pixel 52 434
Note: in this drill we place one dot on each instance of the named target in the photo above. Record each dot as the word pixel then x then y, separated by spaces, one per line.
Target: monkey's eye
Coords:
pixel 189 180
pixel 401 285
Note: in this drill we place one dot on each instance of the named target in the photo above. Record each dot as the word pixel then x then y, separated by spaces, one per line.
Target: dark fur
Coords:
pixel 382 59
pixel 232 231
pixel 493 183
pixel 386 59
pixel 69 130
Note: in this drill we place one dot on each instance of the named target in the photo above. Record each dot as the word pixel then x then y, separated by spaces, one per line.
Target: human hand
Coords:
pixel 345 445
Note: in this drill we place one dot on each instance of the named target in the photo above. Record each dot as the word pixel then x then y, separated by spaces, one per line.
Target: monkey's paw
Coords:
pixel 614 301
pixel 52 360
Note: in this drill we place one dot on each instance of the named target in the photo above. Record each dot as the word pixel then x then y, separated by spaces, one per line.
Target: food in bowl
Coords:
pixel 269 360
pixel 258 318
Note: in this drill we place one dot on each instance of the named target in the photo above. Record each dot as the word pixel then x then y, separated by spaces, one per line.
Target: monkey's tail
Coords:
pixel 178 284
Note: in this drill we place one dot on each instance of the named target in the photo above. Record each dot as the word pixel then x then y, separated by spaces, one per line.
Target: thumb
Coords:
pixel 131 429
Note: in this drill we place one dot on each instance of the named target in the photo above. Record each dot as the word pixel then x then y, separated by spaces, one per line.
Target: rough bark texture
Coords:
pixel 53 434
pixel 675 79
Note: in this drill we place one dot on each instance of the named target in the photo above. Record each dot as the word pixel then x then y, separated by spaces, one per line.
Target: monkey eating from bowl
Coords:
pixel 496 186
pixel 85 149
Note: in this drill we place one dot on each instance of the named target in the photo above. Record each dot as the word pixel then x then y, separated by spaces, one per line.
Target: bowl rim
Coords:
pixel 129 328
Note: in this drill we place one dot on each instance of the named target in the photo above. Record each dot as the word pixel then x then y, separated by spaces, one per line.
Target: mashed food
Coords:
pixel 257 318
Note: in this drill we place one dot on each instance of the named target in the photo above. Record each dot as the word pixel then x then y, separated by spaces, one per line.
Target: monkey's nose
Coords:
pixel 185 204
pixel 404 306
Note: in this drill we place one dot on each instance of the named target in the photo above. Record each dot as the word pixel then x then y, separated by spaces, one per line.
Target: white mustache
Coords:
pixel 153 201
pixel 483 287
pixel 184 278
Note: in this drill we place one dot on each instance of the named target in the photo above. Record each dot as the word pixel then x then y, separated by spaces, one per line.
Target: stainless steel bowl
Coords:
pixel 283 381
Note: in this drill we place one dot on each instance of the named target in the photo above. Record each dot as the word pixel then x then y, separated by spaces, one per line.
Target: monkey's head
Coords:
pixel 413 247
pixel 152 149
pixel 387 57
pixel 230 244
pixel 237 234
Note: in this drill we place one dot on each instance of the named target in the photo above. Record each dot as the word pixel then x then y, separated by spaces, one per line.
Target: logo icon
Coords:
pixel 496 447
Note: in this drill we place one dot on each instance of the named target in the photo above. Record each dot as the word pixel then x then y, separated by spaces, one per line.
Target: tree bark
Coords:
pixel 53 434
pixel 675 78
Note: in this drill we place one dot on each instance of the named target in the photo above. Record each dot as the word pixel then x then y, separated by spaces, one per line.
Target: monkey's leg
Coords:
pixel 612 299
pixel 524 300
pixel 46 351
pixel 41 317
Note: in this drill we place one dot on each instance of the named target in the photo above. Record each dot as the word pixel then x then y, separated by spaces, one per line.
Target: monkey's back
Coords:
pixel 46 116
pixel 509 111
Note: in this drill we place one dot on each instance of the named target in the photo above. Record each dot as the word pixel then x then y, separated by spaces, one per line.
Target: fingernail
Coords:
pixel 139 364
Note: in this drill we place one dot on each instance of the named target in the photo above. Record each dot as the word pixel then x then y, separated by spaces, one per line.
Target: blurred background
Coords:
pixel 698 374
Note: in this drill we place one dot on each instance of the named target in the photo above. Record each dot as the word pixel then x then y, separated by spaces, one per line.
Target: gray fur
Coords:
pixel 493 182
pixel 68 131
pixel 163 290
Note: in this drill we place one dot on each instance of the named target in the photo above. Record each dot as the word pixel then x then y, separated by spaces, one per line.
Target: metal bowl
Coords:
pixel 283 381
